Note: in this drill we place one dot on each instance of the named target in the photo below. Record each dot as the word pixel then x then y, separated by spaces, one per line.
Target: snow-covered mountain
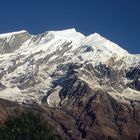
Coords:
pixel 92 83
pixel 33 67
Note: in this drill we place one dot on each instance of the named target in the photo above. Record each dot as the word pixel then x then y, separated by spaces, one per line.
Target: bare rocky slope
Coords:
pixel 87 86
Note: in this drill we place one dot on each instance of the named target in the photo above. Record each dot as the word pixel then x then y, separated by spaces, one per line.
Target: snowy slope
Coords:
pixel 28 72
pixel 6 35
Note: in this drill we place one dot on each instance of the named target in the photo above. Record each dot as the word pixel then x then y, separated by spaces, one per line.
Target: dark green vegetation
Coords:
pixel 26 127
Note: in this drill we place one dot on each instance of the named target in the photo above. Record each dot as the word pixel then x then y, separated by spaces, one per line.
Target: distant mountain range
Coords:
pixel 90 84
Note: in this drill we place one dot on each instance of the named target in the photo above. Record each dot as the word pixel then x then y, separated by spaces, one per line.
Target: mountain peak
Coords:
pixel 70 34
pixel 12 33
pixel 66 30
pixel 96 34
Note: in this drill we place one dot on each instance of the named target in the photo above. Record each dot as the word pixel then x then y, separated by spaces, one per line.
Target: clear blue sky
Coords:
pixel 117 20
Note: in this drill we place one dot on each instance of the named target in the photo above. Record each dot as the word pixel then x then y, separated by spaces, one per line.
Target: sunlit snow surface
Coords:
pixel 26 73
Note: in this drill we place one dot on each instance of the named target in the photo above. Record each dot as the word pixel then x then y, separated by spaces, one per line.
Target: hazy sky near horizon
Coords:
pixel 116 20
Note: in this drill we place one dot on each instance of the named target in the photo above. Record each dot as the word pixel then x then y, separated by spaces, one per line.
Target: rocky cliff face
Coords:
pixel 87 80
pixel 99 117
